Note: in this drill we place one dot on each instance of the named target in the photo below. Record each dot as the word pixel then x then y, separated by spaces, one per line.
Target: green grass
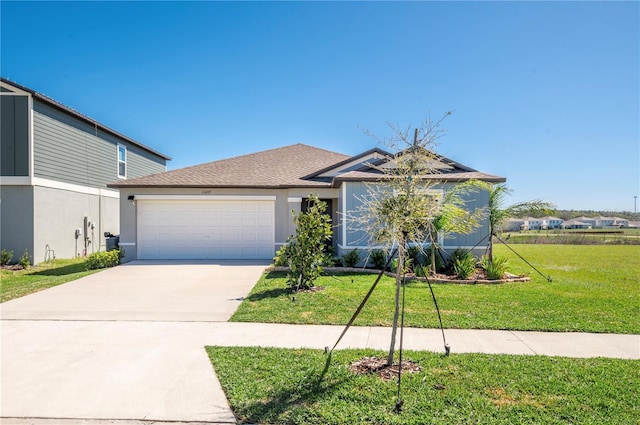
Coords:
pixel 15 284
pixel 594 289
pixel 280 386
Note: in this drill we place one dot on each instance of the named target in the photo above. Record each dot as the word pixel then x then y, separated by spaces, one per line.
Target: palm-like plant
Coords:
pixel 498 212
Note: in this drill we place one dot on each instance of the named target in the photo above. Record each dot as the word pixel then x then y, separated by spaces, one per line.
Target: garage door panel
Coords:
pixel 205 229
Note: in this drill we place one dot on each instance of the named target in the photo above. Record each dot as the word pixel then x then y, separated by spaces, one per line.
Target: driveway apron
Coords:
pixel 122 344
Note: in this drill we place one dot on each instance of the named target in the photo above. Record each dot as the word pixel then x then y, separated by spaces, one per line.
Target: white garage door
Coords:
pixel 205 229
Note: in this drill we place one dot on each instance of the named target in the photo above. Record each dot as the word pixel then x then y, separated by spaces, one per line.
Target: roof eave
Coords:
pixel 451 179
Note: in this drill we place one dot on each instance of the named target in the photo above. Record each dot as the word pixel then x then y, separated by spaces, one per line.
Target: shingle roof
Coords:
pixel 275 168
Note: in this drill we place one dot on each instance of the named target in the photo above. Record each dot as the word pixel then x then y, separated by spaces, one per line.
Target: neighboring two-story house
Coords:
pixel 55 164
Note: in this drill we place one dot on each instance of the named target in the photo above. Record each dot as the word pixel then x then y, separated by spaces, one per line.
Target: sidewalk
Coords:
pixel 57 372
pixel 566 344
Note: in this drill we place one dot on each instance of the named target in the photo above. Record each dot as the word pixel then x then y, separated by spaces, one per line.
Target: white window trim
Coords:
pixel 120 176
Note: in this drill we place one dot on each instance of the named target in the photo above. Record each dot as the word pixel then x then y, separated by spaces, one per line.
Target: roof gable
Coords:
pixel 358 162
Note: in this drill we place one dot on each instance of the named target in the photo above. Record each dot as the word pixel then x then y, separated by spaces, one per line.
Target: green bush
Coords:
pixel 408 263
pixel 101 260
pixel 458 254
pixel 282 257
pixel 464 265
pixel 351 258
pixel 413 254
pixel 24 260
pixel 378 258
pixel 5 257
pixel 496 269
pixel 306 256
pixel 420 270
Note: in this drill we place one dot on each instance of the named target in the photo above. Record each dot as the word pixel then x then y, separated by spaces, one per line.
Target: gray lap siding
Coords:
pixel 69 150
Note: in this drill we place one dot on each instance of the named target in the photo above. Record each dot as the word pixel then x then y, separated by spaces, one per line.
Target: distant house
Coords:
pixel 576 223
pixel 551 222
pixel 546 223
pixel 513 225
pixel 54 168
pixel 531 223
pixel 240 208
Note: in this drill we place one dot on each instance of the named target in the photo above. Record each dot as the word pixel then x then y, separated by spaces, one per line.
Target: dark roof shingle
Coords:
pixel 274 168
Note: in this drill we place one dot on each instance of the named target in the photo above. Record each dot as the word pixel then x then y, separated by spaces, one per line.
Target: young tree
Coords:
pixel 305 249
pixel 403 206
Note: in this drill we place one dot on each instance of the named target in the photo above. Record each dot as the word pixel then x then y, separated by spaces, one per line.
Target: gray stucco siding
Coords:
pixel 74 154
pixel 14 135
pixel 16 219
pixel 57 213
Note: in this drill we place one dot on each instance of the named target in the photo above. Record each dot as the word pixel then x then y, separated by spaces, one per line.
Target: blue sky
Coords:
pixel 546 94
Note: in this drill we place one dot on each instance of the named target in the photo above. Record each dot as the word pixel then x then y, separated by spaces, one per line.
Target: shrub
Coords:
pixel 455 255
pixel 306 256
pixel 5 257
pixel 351 258
pixel 330 260
pixel 24 260
pixel 464 266
pixel 413 254
pixel 378 258
pixel 407 265
pixel 282 257
pixel 496 269
pixel 101 260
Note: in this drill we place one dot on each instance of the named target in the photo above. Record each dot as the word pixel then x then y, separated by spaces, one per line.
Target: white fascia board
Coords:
pixel 363 161
pixel 14 90
pixel 53 184
pixel 204 197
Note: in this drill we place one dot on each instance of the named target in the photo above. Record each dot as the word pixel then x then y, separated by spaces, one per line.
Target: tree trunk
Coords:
pixel 399 273
pixel 490 245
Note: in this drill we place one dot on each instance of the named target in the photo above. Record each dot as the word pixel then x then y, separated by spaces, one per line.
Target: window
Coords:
pixel 122 161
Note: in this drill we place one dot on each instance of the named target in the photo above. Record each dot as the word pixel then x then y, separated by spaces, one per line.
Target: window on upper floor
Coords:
pixel 122 161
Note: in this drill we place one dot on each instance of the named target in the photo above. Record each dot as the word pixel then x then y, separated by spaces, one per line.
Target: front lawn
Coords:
pixel 15 284
pixel 303 386
pixel 595 289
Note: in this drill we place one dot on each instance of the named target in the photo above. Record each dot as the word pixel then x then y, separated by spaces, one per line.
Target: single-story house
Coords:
pixel 240 208
pixel 55 164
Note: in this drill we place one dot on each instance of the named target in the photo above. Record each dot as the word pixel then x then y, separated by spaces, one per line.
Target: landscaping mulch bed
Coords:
pixel 378 365
pixel 13 267
pixel 479 277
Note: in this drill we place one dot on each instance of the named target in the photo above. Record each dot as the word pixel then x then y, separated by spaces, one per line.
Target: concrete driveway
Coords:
pixel 123 344
pixel 144 291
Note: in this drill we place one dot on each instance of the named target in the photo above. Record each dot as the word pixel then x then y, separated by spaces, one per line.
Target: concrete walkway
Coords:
pixel 71 366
